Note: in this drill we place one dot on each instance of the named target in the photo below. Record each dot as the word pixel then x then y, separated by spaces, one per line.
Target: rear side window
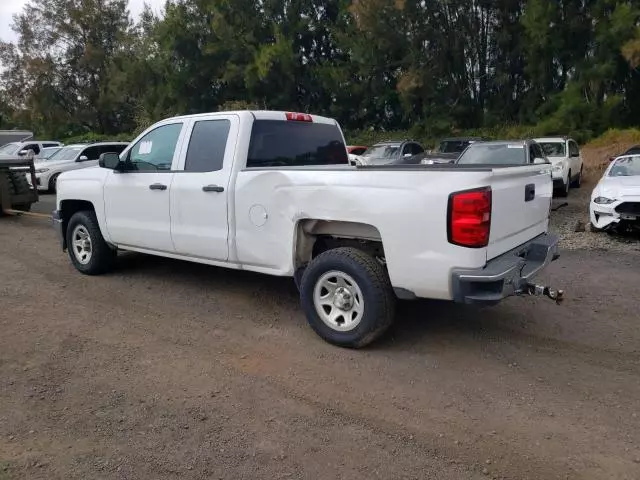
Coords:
pixel 207 145
pixel 277 143
pixel 47 145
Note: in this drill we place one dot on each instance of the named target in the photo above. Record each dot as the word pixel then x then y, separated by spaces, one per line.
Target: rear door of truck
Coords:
pixel 521 202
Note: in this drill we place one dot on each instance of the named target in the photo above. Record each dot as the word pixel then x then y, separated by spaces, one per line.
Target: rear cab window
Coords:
pixel 278 143
pixel 494 154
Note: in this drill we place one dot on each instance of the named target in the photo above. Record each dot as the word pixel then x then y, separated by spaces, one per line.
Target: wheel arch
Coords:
pixel 67 209
pixel 310 233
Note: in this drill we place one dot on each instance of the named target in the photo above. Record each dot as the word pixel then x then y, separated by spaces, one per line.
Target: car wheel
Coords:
pixel 88 251
pixel 347 297
pixel 566 186
pixel 578 181
pixel 594 229
pixel 53 183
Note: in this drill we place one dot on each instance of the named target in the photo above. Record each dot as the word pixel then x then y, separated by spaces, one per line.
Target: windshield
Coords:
pixel 382 151
pixel 47 153
pixel 494 154
pixel 10 149
pixel 625 167
pixel 453 146
pixel 67 153
pixel 553 149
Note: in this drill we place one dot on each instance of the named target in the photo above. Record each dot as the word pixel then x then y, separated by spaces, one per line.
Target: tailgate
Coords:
pixel 521 201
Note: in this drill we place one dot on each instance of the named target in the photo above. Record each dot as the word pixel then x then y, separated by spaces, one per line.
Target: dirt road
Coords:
pixel 174 370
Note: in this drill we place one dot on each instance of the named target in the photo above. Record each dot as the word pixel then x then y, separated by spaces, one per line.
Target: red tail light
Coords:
pixel 299 117
pixel 470 218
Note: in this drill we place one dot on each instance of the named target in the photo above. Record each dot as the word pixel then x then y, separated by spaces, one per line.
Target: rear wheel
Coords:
pixel 53 182
pixel 347 297
pixel 88 251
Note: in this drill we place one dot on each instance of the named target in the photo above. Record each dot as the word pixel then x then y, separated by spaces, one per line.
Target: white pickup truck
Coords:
pixel 273 192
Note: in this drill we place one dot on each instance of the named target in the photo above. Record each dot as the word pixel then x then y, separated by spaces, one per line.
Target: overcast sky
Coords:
pixel 9 7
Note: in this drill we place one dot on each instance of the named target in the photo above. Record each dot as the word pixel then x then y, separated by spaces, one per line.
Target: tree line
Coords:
pixel 433 67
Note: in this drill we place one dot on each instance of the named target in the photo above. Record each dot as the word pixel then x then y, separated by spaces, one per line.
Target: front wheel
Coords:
pixel 88 251
pixel 564 192
pixel 347 297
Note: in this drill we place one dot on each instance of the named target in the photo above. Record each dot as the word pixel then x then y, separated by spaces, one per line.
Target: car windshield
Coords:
pixel 553 149
pixel 47 153
pixel 10 149
pixel 625 167
pixel 494 154
pixel 66 153
pixel 382 151
pixel 453 146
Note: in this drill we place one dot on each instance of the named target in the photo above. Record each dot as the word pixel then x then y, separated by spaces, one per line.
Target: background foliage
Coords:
pixel 420 68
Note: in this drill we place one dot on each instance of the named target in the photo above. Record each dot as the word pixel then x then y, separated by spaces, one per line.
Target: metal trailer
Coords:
pixel 16 195
pixel 9 136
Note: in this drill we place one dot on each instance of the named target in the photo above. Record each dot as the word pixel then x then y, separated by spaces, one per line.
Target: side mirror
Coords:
pixel 109 160
pixel 83 158
pixel 23 153
pixel 539 161
pixel 575 155
pixel 407 155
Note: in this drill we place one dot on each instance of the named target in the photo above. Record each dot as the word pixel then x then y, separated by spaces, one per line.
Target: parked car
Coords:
pixel 272 192
pixel 71 157
pixel 565 156
pixel 25 148
pixel 356 149
pixel 448 150
pixel 635 150
pixel 504 152
pixel 391 152
pixel 615 200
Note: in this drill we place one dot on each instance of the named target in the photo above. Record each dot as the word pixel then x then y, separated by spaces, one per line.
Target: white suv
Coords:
pixel 71 157
pixel 565 156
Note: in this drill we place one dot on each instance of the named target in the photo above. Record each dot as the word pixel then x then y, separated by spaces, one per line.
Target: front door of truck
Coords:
pixel 200 190
pixel 137 199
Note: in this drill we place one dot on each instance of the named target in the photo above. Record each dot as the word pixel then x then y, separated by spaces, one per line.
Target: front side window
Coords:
pixel 207 145
pixel 34 147
pixel 154 152
pixel 573 149
pixel 92 153
pixel 276 143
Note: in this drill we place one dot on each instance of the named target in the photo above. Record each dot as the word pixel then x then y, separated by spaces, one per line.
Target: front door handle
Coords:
pixel 157 186
pixel 212 188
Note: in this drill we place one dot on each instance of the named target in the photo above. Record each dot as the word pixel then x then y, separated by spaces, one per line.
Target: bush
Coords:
pixel 98 137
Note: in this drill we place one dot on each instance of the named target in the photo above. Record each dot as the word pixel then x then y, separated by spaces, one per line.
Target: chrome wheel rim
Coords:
pixel 338 301
pixel 81 244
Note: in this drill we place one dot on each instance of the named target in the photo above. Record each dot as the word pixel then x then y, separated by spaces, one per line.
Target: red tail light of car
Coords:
pixel 469 218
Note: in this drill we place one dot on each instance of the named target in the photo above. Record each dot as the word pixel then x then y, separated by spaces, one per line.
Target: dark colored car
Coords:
pixel 449 149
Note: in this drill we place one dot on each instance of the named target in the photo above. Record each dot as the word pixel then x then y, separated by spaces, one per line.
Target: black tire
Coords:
pixel 102 257
pixel 594 229
pixel 577 183
pixel 564 192
pixel 18 185
pixel 372 280
pixel 52 183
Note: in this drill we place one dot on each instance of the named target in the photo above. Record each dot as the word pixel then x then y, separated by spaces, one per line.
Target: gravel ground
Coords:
pixel 167 370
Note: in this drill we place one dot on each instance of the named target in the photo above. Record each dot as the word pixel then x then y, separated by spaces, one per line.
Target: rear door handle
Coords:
pixel 157 186
pixel 212 188
pixel 529 192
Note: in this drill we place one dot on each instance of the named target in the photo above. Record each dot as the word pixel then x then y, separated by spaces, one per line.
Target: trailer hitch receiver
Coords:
pixel 543 290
